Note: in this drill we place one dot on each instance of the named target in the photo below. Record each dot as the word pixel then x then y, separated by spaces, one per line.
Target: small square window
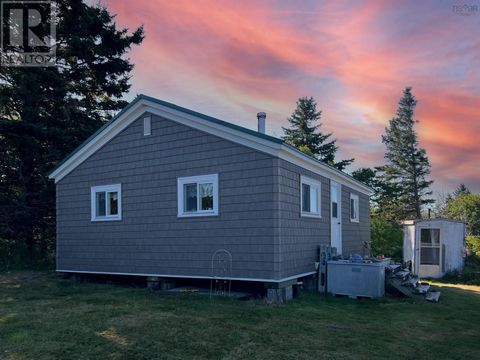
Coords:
pixel 310 197
pixel 354 208
pixel 198 196
pixel 106 202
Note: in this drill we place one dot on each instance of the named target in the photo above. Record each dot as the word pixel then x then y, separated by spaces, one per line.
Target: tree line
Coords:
pixel 401 185
pixel 46 112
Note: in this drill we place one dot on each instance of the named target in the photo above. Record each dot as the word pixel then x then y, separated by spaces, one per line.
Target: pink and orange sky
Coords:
pixel 231 59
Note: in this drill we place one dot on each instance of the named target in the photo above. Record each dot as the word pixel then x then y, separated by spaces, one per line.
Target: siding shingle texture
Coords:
pixel 259 219
pixel 150 239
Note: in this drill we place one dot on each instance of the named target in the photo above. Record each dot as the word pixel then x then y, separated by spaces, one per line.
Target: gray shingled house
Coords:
pixel 160 189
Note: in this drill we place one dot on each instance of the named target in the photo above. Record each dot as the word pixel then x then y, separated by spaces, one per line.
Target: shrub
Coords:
pixel 473 244
pixel 470 273
pixel 387 238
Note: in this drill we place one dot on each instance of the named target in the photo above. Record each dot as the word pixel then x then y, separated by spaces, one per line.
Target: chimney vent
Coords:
pixel 261 116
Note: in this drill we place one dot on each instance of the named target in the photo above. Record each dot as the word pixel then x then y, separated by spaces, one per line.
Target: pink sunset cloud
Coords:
pixel 231 59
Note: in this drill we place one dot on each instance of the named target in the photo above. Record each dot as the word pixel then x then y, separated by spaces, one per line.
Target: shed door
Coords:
pixel 336 216
pixel 430 252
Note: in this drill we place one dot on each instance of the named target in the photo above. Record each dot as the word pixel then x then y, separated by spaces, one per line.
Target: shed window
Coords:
pixel 310 195
pixel 430 246
pixel 198 195
pixel 106 202
pixel 354 208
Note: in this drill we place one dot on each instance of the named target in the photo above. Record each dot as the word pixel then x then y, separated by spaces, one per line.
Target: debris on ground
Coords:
pixel 400 281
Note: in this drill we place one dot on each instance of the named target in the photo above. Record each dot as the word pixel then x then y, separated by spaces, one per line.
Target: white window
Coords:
pixel 354 215
pixel 106 202
pixel 430 247
pixel 198 195
pixel 147 126
pixel 310 195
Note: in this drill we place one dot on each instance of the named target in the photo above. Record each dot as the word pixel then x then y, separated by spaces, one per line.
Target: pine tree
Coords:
pixel 407 165
pixel 46 112
pixel 365 175
pixel 384 200
pixel 462 189
pixel 304 134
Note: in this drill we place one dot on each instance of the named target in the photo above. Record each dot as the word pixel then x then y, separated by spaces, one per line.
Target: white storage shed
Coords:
pixel 434 246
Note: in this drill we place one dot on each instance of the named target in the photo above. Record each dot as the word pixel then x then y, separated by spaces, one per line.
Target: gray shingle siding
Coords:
pixel 259 220
pixel 150 239
pixel 355 233
pixel 299 237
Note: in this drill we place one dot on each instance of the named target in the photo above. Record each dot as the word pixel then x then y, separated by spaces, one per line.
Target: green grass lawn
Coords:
pixel 45 317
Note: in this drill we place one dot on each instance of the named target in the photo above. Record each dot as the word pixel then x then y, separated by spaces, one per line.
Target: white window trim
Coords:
pixel 213 178
pixel 93 202
pixel 147 126
pixel 315 184
pixel 356 200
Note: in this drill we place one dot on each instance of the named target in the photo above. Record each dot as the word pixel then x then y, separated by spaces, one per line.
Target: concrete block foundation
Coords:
pixel 158 283
pixel 279 295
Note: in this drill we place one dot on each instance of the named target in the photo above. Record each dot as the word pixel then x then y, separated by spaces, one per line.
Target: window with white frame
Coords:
pixel 354 214
pixel 106 202
pixel 198 195
pixel 429 246
pixel 310 195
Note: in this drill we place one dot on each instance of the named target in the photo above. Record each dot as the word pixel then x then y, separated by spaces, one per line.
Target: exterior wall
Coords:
pixel 150 239
pixel 299 237
pixel 354 234
pixel 452 246
pixel 259 220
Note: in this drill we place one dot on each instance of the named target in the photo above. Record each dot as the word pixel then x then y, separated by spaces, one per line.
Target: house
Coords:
pixel 434 246
pixel 163 191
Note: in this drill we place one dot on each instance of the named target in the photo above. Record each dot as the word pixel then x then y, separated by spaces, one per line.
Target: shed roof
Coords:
pixel 416 221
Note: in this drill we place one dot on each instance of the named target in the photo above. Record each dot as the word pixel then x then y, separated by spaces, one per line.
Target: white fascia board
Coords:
pixel 282 151
pixel 100 140
pixel 219 130
pixel 306 162
pixel 275 149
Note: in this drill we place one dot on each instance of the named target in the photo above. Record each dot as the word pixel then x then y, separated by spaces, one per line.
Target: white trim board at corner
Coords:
pixel 191 277
pixel 264 145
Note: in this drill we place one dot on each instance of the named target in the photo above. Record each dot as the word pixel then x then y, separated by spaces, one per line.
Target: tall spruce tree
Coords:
pixel 407 167
pixel 45 112
pixel 304 133
pixel 385 198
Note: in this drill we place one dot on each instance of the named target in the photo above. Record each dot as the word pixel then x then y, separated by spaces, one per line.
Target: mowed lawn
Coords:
pixel 45 317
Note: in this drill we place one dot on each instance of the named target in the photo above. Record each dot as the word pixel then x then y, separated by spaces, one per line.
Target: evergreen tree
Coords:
pixel 461 190
pixel 46 112
pixel 407 165
pixel 304 133
pixel 365 175
pixel 384 200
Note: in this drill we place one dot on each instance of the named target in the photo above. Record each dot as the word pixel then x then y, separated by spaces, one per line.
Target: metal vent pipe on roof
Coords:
pixel 261 116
